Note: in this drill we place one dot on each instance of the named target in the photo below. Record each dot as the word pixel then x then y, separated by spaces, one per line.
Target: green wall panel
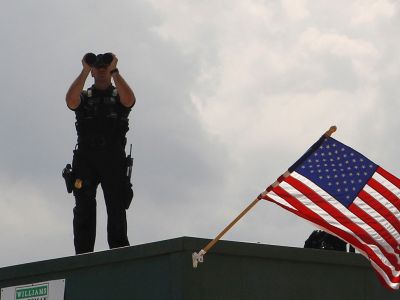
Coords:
pixel 232 270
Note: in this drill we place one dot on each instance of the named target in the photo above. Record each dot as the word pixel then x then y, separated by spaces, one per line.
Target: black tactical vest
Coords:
pixel 101 116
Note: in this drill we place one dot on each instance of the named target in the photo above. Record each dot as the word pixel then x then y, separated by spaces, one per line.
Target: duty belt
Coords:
pixel 99 141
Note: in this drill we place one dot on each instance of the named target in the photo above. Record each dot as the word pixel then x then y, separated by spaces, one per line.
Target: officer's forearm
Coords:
pixel 73 94
pixel 126 94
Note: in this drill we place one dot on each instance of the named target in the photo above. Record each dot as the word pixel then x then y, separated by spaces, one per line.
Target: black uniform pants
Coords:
pixel 106 166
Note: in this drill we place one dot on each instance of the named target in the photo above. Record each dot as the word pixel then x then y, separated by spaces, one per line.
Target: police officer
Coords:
pixel 99 157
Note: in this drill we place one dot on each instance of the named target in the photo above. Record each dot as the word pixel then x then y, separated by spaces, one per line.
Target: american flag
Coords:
pixel 347 195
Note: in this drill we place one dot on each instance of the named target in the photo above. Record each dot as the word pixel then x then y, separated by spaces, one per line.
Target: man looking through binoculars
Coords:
pixel 99 158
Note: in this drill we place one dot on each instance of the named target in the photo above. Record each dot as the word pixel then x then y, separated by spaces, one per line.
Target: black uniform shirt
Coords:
pixel 101 113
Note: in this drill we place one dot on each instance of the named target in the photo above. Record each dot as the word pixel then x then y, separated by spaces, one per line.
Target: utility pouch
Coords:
pixel 68 176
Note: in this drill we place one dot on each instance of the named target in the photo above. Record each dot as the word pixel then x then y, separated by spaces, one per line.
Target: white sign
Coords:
pixel 49 290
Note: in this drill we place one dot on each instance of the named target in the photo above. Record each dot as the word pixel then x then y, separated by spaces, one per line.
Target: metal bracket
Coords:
pixel 197 258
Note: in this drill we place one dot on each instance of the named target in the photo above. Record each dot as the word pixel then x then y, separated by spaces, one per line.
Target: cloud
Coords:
pixel 230 94
pixel 337 44
pixel 296 10
pixel 270 84
pixel 371 11
pixel 30 225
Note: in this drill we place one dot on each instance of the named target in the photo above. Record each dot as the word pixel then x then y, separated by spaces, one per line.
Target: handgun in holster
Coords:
pixel 68 176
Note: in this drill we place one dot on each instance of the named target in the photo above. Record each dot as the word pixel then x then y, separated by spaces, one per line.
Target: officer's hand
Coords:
pixel 113 64
pixel 86 67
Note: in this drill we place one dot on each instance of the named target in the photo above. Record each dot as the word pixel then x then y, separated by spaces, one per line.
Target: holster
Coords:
pixel 69 177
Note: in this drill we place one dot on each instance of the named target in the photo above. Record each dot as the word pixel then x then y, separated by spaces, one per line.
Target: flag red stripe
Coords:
pixel 383 280
pixel 392 198
pixel 340 217
pixel 381 209
pixel 393 179
pixel 306 214
pixel 378 227
pixel 311 216
pixel 266 197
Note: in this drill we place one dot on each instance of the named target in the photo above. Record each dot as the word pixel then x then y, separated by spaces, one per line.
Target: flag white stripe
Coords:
pixel 280 200
pixel 387 184
pixel 352 217
pixel 378 269
pixel 377 196
pixel 331 220
pixel 305 201
pixel 378 217
pixel 338 225
pixel 327 216
pixel 384 275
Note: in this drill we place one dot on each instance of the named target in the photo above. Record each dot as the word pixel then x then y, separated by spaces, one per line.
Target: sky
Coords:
pixel 230 93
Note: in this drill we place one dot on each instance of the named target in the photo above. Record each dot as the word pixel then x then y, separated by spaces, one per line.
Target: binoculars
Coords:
pixel 99 60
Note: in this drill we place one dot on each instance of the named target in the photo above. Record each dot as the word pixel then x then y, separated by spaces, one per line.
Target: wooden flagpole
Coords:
pixel 198 257
pixel 219 236
pixel 330 131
